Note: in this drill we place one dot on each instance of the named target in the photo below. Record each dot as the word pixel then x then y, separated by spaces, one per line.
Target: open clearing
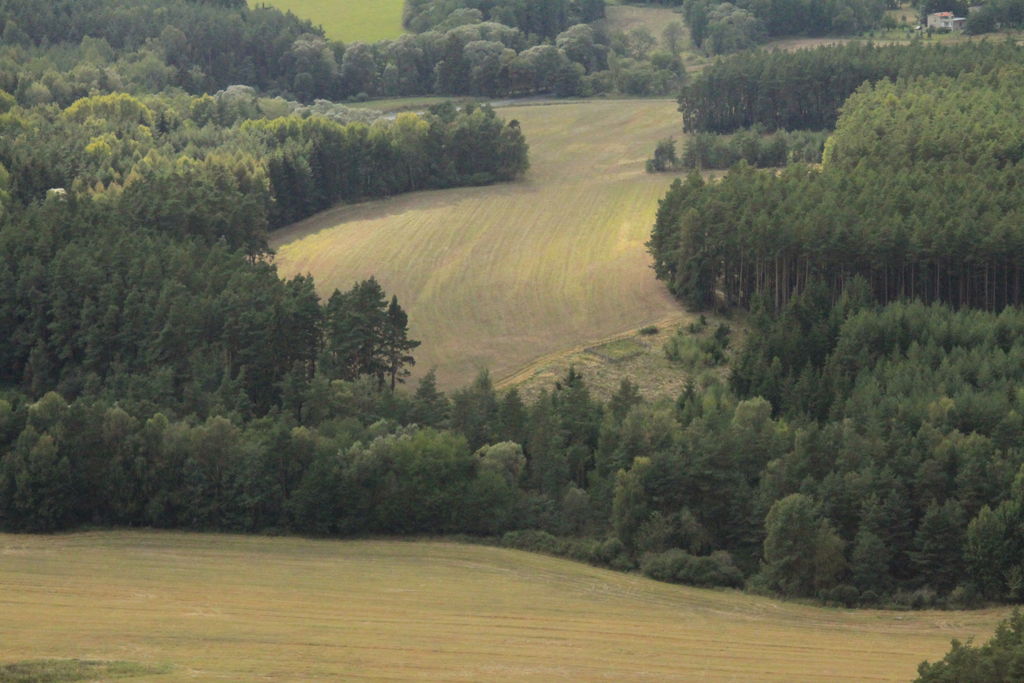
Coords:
pixel 500 276
pixel 241 608
pixel 349 20
pixel 654 19
pixel 634 355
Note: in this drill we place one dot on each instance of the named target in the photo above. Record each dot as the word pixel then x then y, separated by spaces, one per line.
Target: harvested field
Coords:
pixel 500 276
pixel 218 607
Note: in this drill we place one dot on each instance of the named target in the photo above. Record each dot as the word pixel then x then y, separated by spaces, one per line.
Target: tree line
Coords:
pixel 723 27
pixel 993 16
pixel 884 298
pixel 97 305
pixel 202 167
pixel 884 469
pixel 755 147
pixel 68 49
pixel 156 380
pixel 805 89
pixel 542 18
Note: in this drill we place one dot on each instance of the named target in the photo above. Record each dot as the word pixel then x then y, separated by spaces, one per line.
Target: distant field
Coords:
pixel 215 607
pixel 500 276
pixel 347 20
pixel 654 19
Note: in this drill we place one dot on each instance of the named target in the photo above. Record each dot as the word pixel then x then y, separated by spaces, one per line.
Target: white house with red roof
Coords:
pixel 946 20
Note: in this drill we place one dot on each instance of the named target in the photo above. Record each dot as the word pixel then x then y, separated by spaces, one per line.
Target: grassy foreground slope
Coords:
pixel 499 276
pixel 348 20
pixel 236 607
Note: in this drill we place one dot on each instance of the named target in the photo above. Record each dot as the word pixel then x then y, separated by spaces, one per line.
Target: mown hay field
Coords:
pixel 366 21
pixel 218 607
pixel 500 276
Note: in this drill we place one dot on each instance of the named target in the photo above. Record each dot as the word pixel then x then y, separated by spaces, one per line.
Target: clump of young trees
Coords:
pixel 755 147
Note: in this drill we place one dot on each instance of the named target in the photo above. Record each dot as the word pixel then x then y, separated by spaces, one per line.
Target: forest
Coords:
pixel 156 371
pixel 65 50
pixel 805 89
pixel 724 27
pixel 542 19
pixel 910 166
pixel 218 168
pixel 884 292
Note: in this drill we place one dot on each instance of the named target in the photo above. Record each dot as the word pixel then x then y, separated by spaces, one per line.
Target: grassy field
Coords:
pixel 654 19
pixel 503 275
pixel 638 357
pixel 241 608
pixel 348 20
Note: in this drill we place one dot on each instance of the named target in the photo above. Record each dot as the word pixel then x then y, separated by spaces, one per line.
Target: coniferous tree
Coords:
pixel 396 343
pixel 430 405
pixel 939 545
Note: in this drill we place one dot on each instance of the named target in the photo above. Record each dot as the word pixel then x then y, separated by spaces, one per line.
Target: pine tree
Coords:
pixel 396 344
pixel 939 544
pixel 430 406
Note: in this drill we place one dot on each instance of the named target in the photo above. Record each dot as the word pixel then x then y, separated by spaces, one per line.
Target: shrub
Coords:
pixel 679 566
pixel 964 597
pixel 843 595
pixel 610 549
pixel 532 540
pixel 693 352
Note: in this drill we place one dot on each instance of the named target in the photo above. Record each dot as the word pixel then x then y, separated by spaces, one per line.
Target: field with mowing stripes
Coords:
pixel 500 276
pixel 241 608
pixel 366 21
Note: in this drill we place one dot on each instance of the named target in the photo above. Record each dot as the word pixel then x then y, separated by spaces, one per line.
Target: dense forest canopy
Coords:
pixel 805 89
pixel 918 195
pixel 722 27
pixel 752 145
pixel 133 254
pixel 542 18
pixel 917 199
pixel 155 370
pixel 217 168
pixel 65 50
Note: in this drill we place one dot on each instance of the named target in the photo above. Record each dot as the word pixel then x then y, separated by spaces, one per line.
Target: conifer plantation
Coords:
pixel 883 289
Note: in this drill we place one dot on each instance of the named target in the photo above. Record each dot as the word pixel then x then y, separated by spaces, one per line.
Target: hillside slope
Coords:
pixel 366 21
pixel 499 276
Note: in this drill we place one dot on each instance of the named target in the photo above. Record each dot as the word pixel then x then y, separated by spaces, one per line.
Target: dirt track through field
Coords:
pixel 499 276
